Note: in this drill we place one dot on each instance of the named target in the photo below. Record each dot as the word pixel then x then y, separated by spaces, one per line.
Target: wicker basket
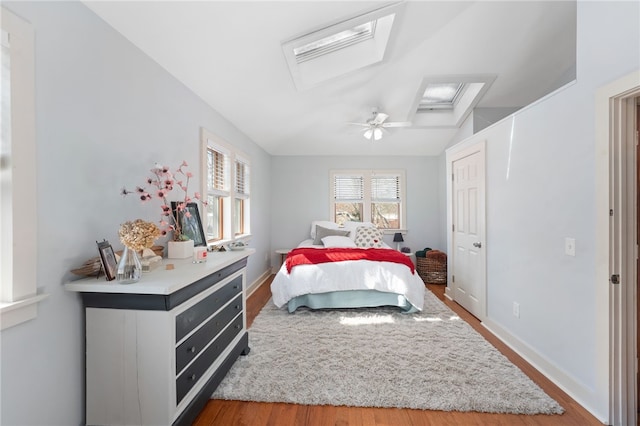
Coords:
pixel 432 271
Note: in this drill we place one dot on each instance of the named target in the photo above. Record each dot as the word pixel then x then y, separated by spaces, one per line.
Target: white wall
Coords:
pixel 541 189
pixel 105 113
pixel 307 178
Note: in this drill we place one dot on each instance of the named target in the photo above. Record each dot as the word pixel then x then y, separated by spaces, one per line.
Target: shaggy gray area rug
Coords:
pixel 379 358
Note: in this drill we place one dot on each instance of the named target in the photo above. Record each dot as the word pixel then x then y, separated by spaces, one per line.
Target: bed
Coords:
pixel 357 270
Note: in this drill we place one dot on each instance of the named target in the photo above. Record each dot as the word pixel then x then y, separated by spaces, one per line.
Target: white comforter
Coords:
pixel 347 275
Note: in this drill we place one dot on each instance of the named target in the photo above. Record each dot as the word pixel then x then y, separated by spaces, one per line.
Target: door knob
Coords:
pixel 478 244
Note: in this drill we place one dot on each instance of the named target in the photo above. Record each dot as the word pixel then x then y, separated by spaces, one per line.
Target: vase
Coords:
pixel 129 267
pixel 180 249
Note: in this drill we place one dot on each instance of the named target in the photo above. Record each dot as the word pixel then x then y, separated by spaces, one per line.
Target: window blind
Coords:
pixel 217 166
pixel 242 178
pixel 348 188
pixel 385 188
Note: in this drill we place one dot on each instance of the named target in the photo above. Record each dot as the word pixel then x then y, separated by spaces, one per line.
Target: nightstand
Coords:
pixel 412 256
pixel 283 254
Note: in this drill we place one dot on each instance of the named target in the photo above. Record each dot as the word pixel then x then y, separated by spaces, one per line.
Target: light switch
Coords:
pixel 570 246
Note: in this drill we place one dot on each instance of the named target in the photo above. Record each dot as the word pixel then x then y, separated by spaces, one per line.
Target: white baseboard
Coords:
pixel 447 293
pixel 258 282
pixel 580 393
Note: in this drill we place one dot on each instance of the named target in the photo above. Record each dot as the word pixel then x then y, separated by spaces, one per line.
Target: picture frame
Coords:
pixel 191 226
pixel 108 259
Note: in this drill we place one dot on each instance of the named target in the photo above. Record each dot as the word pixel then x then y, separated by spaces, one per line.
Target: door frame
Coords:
pixel 616 249
pixel 457 152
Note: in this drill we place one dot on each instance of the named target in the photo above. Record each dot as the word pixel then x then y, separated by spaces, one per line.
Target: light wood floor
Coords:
pixel 227 413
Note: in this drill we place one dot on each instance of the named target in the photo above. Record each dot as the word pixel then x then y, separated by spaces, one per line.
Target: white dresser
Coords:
pixel 157 349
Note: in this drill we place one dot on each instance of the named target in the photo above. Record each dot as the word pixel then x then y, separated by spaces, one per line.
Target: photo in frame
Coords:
pixel 108 259
pixel 191 226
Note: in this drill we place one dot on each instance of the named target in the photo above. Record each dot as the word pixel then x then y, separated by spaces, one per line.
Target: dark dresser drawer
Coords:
pixel 192 317
pixel 194 372
pixel 190 348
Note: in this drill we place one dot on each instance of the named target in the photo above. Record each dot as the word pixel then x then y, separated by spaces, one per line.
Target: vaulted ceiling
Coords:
pixel 231 55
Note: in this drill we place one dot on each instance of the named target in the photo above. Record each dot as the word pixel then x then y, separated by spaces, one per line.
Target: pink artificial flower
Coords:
pixel 187 214
pixel 196 195
pixel 184 164
pixel 161 194
pixel 166 210
pixel 145 197
pixel 189 175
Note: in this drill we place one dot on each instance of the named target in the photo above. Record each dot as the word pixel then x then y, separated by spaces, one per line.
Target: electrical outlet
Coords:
pixel 516 309
pixel 570 246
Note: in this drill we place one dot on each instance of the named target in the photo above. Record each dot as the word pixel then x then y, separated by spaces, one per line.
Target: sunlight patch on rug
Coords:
pixel 379 357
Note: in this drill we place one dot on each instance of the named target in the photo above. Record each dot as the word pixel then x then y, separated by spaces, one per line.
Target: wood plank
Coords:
pixel 229 413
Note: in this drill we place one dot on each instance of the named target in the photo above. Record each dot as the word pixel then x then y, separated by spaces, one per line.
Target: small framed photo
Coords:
pixel 191 226
pixel 108 259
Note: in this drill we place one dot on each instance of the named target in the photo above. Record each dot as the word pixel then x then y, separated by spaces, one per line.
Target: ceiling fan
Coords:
pixel 376 125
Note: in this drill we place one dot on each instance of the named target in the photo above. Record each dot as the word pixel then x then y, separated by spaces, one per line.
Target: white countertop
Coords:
pixel 161 280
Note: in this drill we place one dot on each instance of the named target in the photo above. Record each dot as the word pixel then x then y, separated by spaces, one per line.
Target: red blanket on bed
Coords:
pixel 312 256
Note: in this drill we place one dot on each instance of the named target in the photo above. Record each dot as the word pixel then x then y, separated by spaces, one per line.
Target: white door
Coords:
pixel 468 251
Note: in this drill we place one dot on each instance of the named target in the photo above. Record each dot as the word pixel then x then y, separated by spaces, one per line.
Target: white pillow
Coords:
pixel 338 241
pixel 367 237
pixel 324 223
pixel 353 226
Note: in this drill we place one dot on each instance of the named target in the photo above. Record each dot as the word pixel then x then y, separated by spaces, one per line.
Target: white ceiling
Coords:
pixel 230 54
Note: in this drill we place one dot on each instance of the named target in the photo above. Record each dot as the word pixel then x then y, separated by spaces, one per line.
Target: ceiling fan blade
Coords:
pixel 379 118
pixel 360 124
pixel 398 124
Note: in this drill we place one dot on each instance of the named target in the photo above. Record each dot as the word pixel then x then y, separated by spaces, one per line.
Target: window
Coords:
pixel 242 196
pixel 18 301
pixel 440 96
pixel 341 46
pixel 368 196
pixel 335 41
pixel 227 183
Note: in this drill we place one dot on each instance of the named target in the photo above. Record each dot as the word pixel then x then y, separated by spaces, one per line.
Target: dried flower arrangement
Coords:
pixel 138 235
pixel 162 183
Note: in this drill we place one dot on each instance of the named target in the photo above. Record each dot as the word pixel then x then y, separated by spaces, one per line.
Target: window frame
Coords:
pixel 227 224
pixel 367 199
pixel 18 257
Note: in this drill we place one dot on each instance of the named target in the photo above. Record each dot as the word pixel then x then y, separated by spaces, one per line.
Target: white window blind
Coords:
pixel 217 164
pixel 348 188
pixel 385 188
pixel 242 179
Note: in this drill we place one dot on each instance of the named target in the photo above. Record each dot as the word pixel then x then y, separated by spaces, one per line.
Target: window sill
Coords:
pixel 14 313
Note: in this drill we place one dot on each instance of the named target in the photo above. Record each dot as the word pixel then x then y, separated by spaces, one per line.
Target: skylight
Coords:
pixel 342 47
pixel 447 100
pixel 336 41
pixel 440 96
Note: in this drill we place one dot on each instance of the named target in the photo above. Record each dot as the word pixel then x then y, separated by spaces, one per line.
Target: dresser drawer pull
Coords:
pixel 192 349
pixel 192 377
pixel 238 326
pixel 238 307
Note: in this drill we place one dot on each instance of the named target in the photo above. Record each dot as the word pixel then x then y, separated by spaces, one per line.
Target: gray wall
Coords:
pixel 301 195
pixel 105 113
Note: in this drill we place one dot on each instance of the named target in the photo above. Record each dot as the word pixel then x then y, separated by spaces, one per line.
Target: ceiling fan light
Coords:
pixel 377 134
pixel 368 133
